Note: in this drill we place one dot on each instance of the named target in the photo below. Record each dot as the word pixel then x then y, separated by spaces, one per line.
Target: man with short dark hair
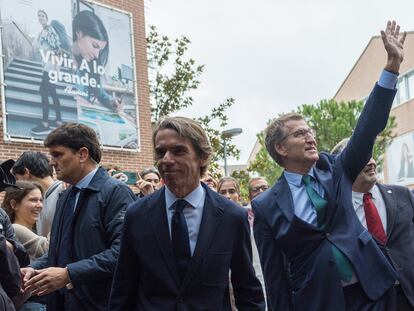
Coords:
pixel 149 180
pixel 180 243
pixel 315 254
pixel 84 245
pixel 35 166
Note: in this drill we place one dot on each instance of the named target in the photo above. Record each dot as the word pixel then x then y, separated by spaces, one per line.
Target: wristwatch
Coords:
pixel 69 286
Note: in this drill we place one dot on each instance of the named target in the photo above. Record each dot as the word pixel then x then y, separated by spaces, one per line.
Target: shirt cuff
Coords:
pixel 388 80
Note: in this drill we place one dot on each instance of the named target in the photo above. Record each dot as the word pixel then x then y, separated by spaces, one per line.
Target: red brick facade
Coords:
pixel 131 161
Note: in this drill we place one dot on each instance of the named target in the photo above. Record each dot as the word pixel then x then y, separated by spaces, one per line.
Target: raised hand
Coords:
pixel 393 43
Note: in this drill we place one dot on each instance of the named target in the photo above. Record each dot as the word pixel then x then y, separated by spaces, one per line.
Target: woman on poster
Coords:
pixel 90 54
pixel 48 42
pixel 406 163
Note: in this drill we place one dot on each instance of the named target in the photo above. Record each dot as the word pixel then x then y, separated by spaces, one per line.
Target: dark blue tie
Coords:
pixel 64 252
pixel 179 238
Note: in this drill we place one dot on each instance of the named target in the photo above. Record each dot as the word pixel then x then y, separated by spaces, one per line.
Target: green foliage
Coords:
pixel 332 122
pixel 263 165
pixel 172 77
pixel 243 178
pixel 219 117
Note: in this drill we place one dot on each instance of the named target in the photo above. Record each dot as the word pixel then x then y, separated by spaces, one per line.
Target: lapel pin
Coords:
pixel 389 191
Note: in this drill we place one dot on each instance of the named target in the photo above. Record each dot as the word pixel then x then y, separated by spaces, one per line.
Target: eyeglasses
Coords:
pixel 263 188
pixel 301 133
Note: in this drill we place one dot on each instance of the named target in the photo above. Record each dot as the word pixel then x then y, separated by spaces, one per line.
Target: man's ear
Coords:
pixel 280 149
pixel 13 203
pixel 83 154
pixel 203 162
pixel 27 174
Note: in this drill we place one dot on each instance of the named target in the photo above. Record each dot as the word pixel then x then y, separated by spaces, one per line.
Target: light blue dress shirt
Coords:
pixel 192 214
pixel 302 205
pixel 84 183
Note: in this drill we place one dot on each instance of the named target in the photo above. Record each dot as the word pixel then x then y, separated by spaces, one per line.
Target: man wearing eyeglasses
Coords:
pixel 257 186
pixel 149 182
pixel 315 254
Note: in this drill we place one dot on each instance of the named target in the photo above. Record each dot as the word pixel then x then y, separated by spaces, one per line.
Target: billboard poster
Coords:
pixel 400 160
pixel 68 61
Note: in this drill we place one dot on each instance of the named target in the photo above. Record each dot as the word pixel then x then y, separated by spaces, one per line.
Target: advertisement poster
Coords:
pixel 400 160
pixel 68 61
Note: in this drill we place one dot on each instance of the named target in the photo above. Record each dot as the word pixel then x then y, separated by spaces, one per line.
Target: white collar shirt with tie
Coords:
pixel 357 201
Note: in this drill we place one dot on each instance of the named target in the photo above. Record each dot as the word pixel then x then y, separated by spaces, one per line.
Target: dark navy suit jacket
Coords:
pixel 296 257
pixel 399 204
pixel 146 276
pixel 96 237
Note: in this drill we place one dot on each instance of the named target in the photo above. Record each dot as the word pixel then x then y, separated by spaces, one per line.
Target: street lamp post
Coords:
pixel 225 135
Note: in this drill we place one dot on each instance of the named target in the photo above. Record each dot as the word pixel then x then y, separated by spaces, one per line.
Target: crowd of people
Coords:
pixel 325 237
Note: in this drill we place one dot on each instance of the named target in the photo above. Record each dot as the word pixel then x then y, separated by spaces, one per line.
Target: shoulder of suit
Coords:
pixel 392 188
pixel 325 161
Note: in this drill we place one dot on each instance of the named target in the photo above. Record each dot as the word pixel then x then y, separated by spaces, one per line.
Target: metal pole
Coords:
pixel 225 156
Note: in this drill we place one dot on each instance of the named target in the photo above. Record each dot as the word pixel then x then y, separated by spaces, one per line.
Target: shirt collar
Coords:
pixel 357 197
pixel 85 181
pixel 295 179
pixel 193 197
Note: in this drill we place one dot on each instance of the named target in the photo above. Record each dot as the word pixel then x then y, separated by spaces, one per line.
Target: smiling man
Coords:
pixel 315 254
pixel 84 243
pixel 386 211
pixel 180 243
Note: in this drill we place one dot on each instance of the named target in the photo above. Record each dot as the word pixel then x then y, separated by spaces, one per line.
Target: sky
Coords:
pixel 272 56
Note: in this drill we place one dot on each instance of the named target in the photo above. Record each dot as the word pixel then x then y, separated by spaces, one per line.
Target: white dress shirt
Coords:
pixel 357 201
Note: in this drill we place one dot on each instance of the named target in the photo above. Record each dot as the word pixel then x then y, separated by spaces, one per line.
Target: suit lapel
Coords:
pixel 325 179
pixel 390 206
pixel 283 197
pixel 212 212
pixel 157 215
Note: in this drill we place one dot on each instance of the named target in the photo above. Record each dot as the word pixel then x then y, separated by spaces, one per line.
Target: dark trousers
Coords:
pixel 357 300
pixel 46 89
pixel 402 302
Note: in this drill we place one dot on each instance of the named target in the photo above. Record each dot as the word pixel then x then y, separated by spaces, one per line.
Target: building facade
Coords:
pixel 129 159
pixel 399 157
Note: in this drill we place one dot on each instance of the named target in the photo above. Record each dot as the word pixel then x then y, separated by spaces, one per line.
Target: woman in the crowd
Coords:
pixel 229 187
pixel 23 205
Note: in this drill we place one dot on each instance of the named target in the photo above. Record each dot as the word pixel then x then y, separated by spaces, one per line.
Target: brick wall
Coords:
pixel 131 161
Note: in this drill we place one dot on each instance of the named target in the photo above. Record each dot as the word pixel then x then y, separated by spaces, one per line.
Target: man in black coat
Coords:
pixel 393 207
pixel 9 276
pixel 180 243
pixel 84 245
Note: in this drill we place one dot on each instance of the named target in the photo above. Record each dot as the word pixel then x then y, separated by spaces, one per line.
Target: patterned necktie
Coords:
pixel 373 219
pixel 179 238
pixel 342 263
